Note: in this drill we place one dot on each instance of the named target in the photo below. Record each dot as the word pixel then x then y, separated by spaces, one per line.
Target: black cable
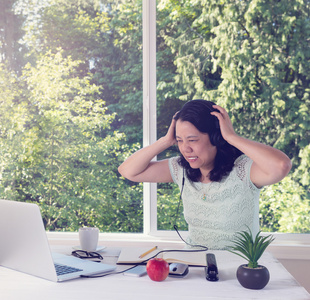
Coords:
pixel 205 248
pixel 177 214
pixel 180 198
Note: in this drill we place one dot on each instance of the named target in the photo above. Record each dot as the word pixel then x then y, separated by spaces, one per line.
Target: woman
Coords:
pixel 223 172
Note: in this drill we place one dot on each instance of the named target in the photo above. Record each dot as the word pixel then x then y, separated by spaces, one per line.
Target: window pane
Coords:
pixel 239 59
pixel 75 113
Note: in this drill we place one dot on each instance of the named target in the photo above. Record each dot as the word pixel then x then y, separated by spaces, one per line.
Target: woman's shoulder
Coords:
pixel 242 169
pixel 241 166
pixel 174 167
pixel 174 162
pixel 242 160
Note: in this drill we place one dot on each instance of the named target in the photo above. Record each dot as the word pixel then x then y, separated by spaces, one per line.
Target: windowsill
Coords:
pixel 285 245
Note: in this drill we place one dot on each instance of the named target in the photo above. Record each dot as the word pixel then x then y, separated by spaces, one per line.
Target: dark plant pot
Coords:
pixel 254 279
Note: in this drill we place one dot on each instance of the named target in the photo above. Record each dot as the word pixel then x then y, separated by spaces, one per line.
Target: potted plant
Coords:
pixel 251 275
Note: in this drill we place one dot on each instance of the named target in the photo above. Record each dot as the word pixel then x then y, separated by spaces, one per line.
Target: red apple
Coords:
pixel 157 269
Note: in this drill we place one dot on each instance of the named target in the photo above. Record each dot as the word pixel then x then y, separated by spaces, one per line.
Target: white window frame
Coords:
pixel 150 115
pixel 149 109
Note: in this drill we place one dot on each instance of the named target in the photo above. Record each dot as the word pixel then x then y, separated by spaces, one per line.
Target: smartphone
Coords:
pixel 137 271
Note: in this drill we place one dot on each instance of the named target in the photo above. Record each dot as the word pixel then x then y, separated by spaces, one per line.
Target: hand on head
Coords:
pixel 170 135
pixel 226 126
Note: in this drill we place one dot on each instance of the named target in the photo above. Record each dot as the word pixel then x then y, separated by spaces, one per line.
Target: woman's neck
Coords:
pixel 205 177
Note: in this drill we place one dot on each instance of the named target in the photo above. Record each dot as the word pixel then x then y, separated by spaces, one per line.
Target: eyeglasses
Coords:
pixel 87 255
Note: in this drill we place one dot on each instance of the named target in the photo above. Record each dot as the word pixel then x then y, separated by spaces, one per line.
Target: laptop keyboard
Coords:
pixel 62 269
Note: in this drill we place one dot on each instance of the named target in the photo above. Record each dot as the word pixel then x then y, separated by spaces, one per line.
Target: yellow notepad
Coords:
pixel 131 255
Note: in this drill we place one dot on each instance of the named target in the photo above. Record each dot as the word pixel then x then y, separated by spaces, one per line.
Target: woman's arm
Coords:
pixel 139 167
pixel 269 166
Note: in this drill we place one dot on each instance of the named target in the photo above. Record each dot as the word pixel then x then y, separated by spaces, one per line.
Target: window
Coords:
pixel 84 92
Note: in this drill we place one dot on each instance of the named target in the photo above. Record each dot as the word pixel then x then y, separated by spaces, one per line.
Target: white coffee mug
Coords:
pixel 89 238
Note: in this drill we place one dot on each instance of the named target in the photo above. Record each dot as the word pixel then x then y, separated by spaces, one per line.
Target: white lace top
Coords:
pixel 215 211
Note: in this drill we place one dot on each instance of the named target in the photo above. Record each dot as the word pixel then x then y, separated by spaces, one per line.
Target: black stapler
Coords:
pixel 211 268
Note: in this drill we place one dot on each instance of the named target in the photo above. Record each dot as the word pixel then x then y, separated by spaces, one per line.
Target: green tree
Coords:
pixel 186 32
pixel 107 37
pixel 13 111
pixel 284 207
pixel 258 52
pixel 62 156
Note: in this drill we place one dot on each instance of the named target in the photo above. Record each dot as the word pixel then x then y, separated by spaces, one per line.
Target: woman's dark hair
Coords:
pixel 198 112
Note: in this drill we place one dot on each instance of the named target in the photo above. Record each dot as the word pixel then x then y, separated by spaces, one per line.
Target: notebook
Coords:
pixel 131 255
pixel 24 246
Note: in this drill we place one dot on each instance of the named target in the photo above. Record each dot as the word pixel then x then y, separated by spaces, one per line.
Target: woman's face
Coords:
pixel 195 146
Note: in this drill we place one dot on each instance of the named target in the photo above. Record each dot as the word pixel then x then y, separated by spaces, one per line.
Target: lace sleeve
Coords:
pixel 175 170
pixel 243 166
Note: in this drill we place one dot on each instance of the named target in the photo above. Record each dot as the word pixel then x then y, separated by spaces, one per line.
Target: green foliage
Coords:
pixel 285 207
pixel 186 33
pixel 169 208
pixel 303 172
pixel 253 58
pixel 250 248
pixel 60 154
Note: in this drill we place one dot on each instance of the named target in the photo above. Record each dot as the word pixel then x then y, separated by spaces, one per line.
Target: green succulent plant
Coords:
pixel 250 248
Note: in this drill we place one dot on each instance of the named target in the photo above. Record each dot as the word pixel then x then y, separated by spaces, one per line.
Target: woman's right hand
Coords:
pixel 139 167
pixel 170 135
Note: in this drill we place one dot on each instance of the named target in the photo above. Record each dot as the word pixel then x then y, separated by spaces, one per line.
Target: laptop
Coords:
pixel 24 246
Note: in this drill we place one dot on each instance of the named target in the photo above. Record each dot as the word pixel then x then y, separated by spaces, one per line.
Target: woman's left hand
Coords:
pixel 269 165
pixel 226 126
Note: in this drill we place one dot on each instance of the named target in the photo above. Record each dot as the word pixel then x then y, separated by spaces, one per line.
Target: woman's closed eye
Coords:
pixel 190 141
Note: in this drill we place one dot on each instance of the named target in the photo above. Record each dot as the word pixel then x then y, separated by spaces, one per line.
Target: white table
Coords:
pixel 15 285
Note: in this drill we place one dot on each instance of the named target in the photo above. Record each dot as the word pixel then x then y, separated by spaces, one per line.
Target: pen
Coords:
pixel 147 252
